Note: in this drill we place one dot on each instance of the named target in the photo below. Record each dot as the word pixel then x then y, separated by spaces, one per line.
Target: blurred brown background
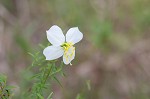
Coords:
pixel 114 55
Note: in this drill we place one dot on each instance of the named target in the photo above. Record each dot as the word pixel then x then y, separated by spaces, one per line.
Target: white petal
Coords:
pixel 53 52
pixel 69 55
pixel 55 36
pixel 74 35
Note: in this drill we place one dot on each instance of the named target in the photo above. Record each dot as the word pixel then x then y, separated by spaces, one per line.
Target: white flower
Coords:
pixel 62 45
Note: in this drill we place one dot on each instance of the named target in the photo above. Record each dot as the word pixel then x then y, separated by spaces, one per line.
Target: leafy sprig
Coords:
pixel 44 73
pixel 5 90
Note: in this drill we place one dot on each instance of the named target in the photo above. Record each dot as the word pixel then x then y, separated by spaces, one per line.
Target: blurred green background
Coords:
pixel 114 55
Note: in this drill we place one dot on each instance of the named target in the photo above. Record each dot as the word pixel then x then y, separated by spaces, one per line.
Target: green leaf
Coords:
pixel 50 95
pixel 10 87
pixel 40 96
pixel 88 83
pixel 36 75
pixel 78 96
pixel 63 74
pixel 31 54
pixel 2 78
pixel 42 46
pixel 58 81
pixel 56 71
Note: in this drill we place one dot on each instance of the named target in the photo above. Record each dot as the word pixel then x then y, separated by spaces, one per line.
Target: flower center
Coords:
pixel 68 50
pixel 66 46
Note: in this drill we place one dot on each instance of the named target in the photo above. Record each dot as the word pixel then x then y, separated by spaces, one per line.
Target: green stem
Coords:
pixel 45 78
pixel 49 71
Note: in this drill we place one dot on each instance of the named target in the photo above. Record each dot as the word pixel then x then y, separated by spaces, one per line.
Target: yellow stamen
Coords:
pixel 68 50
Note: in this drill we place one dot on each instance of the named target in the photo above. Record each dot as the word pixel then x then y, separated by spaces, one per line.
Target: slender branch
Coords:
pixel 49 71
